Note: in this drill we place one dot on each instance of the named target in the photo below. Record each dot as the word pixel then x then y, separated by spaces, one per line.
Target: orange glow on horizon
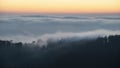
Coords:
pixel 60 6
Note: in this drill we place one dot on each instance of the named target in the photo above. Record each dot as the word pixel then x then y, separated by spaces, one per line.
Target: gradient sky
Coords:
pixel 60 6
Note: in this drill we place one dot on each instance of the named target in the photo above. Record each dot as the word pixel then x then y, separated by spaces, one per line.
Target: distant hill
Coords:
pixel 103 52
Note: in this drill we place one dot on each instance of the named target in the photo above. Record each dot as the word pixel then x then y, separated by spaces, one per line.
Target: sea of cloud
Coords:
pixel 32 18
pixel 42 28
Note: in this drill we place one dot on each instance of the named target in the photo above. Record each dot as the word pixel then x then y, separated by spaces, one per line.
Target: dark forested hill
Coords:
pixel 103 52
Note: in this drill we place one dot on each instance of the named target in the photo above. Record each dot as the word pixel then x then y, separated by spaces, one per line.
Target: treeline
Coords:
pixel 7 43
pixel 103 52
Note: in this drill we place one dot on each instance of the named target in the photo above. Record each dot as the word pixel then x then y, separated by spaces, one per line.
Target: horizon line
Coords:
pixel 59 13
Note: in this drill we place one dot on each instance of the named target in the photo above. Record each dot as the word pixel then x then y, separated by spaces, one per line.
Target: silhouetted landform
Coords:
pixel 103 52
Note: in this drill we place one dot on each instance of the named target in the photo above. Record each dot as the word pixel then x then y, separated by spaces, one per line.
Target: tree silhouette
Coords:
pixel 103 52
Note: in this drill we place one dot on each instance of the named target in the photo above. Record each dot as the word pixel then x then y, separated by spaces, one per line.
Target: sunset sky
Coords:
pixel 60 6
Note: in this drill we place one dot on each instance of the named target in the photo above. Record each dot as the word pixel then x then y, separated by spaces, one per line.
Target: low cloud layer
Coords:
pixel 70 35
pixel 61 18
pixel 53 37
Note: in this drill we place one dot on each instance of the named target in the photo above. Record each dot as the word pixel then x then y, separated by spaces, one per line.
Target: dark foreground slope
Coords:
pixel 97 53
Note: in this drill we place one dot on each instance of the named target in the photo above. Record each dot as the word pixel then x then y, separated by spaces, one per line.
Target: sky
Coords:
pixel 60 6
